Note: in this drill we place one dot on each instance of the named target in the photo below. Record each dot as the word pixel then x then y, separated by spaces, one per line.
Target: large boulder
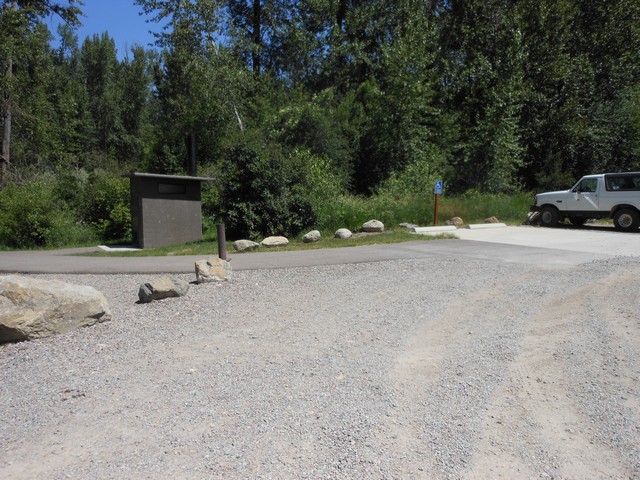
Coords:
pixel 275 242
pixel 242 245
pixel 373 226
pixel 34 308
pixel 213 269
pixel 311 237
pixel 162 287
pixel 343 233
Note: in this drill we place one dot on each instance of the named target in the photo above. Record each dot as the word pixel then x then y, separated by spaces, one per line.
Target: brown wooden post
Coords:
pixel 222 242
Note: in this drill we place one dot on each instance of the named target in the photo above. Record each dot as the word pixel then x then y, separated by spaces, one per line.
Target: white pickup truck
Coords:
pixel 607 195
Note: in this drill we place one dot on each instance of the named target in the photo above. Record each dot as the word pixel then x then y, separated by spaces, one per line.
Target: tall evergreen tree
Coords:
pixel 403 123
pixel 135 83
pixel 18 22
pixel 101 70
pixel 581 70
pixel 495 94
pixel 483 63
pixel 69 97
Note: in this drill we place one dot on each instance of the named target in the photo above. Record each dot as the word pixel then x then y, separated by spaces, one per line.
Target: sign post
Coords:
pixel 437 190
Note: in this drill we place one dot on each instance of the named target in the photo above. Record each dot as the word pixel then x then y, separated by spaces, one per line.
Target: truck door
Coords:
pixel 584 196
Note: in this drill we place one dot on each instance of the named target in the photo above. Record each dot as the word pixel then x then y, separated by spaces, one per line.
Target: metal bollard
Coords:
pixel 222 242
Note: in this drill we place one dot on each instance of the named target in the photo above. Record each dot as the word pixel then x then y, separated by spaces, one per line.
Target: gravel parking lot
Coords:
pixel 433 368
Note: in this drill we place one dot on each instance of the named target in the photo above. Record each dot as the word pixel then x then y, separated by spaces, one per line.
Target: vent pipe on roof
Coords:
pixel 192 169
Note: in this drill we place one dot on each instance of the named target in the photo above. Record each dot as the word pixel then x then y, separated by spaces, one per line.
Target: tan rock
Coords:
pixel 311 237
pixel 343 233
pixel 373 226
pixel 275 242
pixel 242 245
pixel 213 269
pixel 34 308
pixel 162 287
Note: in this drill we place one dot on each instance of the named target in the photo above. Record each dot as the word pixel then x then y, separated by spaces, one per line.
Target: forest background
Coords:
pixel 311 113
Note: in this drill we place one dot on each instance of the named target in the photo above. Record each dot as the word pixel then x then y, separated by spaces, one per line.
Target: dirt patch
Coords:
pixel 436 368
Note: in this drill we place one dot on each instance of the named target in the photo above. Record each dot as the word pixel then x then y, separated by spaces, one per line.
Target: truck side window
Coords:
pixel 588 185
pixel 627 184
pixel 622 183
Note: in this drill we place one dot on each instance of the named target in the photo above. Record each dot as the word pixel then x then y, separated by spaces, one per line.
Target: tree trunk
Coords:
pixel 233 104
pixel 6 131
pixel 257 37
pixel 341 14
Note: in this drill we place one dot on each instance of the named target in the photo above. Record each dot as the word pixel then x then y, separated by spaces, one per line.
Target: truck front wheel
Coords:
pixel 626 220
pixel 549 217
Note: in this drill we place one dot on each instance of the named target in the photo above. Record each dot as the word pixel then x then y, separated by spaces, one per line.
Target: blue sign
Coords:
pixel 438 188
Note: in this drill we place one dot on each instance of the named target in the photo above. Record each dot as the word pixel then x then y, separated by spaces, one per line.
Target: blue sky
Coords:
pixel 118 17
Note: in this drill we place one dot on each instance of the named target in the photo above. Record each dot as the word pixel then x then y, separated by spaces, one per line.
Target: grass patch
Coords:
pixel 341 211
pixel 71 236
pixel 210 247
pixel 348 211
pixel 474 207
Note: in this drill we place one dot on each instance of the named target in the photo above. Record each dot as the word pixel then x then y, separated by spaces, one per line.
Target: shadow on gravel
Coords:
pixel 590 228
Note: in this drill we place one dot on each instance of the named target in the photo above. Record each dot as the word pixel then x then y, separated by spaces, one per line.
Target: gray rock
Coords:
pixel 408 226
pixel 533 218
pixel 242 245
pixel 374 226
pixel 457 221
pixel 275 242
pixel 162 287
pixel 312 236
pixel 33 308
pixel 343 233
pixel 213 269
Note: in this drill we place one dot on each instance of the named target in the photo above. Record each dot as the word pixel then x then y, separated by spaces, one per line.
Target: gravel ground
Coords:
pixel 443 368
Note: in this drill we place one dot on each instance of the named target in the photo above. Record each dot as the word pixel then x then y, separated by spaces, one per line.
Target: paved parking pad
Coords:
pixel 597 240
pixel 522 244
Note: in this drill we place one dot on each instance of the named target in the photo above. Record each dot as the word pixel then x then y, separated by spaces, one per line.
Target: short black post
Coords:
pixel 222 242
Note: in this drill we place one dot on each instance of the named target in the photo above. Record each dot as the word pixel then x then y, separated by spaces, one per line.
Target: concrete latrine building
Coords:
pixel 165 209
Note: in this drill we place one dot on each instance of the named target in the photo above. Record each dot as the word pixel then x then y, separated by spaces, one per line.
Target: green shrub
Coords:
pixel 32 216
pixel 164 161
pixel 210 199
pixel 348 211
pixel 416 179
pixel 263 192
pixel 69 185
pixel 405 196
pixel 105 205
pixel 319 182
pixel 73 234
pixel 318 125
